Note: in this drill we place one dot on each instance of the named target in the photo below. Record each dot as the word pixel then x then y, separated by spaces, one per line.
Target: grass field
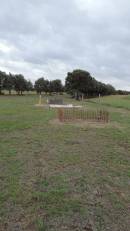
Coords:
pixel 63 177
pixel 115 101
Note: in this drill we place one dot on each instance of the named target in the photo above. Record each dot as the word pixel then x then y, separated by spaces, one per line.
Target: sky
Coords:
pixel 48 38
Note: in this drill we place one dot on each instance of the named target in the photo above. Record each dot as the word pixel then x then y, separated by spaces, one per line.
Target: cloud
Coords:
pixel 49 38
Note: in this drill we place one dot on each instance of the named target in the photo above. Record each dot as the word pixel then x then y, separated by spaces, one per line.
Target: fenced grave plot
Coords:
pixel 69 114
pixel 64 106
pixel 57 101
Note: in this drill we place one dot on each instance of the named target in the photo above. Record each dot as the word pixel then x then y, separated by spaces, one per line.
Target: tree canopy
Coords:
pixel 44 85
pixel 77 83
pixel 81 82
pixel 16 82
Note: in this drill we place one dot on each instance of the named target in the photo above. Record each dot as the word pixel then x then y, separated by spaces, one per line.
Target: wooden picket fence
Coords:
pixel 72 114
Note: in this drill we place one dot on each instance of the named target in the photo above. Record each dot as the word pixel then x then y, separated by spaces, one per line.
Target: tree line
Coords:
pixel 20 84
pixel 80 82
pixel 77 83
pixel 17 83
pixel 46 86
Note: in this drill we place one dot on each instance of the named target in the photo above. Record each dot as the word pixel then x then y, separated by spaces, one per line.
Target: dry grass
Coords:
pixel 56 178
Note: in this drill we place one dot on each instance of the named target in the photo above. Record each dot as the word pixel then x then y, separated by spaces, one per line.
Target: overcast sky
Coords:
pixel 51 37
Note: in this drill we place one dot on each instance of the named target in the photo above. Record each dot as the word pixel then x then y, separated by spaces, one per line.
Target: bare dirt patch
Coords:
pixel 84 124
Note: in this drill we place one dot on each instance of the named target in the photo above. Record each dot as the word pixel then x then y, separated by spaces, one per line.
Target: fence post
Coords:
pixel 61 114
pixel 107 117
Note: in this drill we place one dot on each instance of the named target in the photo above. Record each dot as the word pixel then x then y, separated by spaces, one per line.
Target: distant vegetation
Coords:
pixel 46 86
pixel 12 82
pixel 78 83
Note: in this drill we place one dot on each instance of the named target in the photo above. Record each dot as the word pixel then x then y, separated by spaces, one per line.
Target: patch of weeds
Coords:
pixel 50 197
pixel 3 197
pixel 99 217
pixel 116 201
pixel 128 173
pixel 67 206
pixel 56 202
pixel 44 183
pixel 55 183
pixel 12 152
pixel 82 185
pixel 40 224
pixel 70 159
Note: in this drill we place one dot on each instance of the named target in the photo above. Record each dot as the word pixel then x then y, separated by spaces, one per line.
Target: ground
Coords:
pixel 69 177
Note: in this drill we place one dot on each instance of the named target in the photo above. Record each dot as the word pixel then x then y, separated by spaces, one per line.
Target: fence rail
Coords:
pixel 69 114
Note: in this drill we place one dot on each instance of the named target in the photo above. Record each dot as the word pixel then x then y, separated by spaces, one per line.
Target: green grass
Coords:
pixel 114 101
pixel 67 177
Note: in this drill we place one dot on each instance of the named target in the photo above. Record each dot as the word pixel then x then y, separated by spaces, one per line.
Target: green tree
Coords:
pixel 51 87
pixel 46 86
pixel 56 86
pixel 29 85
pixel 2 79
pixel 20 84
pixel 40 85
pixel 9 83
pixel 79 82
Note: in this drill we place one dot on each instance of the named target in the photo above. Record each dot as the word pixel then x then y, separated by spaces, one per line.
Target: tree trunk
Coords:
pixel 77 95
